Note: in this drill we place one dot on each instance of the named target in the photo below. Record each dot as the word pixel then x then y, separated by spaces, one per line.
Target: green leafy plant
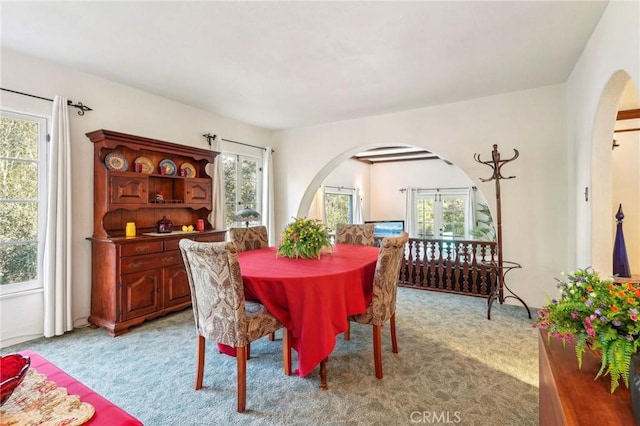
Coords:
pixel 304 238
pixel 485 229
pixel 596 314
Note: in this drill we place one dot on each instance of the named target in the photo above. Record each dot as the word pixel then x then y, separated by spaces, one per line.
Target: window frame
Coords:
pixel 331 190
pixel 239 204
pixel 42 166
pixel 437 195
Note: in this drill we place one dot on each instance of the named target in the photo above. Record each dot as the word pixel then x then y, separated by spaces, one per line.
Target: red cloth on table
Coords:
pixel 310 297
pixel 107 413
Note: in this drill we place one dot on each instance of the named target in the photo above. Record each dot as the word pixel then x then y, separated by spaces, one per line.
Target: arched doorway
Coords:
pixel 383 184
pixel 606 176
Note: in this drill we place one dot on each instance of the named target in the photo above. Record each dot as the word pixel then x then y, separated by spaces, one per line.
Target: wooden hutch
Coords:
pixel 141 277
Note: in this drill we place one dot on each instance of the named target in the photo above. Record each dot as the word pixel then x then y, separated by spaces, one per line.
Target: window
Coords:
pixel 339 206
pixel 441 214
pixel 22 200
pixel 242 185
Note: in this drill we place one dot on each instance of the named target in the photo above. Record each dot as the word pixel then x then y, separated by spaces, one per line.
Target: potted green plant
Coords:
pixel 599 315
pixel 304 238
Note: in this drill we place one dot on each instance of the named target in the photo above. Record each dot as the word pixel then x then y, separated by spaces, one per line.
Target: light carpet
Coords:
pixel 453 367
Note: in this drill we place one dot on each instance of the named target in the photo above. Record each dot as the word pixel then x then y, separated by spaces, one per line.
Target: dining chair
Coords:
pixel 250 238
pixel 383 304
pixel 219 307
pixel 359 234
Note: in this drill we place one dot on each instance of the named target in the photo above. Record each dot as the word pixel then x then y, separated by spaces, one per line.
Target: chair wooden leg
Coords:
pixel 199 361
pixel 286 351
pixel 248 350
pixel 241 360
pixel 323 374
pixel 272 336
pixel 394 341
pixel 347 334
pixel 377 350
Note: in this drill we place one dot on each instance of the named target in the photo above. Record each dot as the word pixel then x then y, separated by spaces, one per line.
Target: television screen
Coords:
pixel 386 228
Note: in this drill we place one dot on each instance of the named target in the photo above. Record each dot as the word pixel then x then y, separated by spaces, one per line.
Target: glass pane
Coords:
pixel 337 210
pixel 18 221
pixel 453 217
pixel 229 164
pixel 18 263
pixel 426 218
pixel 18 138
pixel 19 180
pixel 249 195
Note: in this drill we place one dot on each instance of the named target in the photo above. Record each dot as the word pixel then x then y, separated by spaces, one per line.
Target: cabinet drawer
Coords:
pixel 210 238
pixel 173 244
pixel 149 261
pixel 141 248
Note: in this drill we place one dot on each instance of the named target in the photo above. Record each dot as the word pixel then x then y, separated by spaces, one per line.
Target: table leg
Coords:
pixel 323 374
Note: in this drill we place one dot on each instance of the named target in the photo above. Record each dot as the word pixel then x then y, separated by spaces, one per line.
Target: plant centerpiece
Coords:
pixel 599 315
pixel 304 238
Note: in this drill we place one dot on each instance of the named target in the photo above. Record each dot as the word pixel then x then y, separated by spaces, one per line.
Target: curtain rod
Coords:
pixel 246 144
pixel 339 187
pixel 210 138
pixel 475 188
pixel 83 108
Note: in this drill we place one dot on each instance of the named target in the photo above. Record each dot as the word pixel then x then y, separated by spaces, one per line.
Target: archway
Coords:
pixel 384 183
pixel 602 212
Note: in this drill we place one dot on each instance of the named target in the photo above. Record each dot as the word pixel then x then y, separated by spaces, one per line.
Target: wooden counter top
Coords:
pixel 570 396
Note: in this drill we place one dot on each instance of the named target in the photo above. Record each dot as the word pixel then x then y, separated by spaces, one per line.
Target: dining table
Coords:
pixel 312 298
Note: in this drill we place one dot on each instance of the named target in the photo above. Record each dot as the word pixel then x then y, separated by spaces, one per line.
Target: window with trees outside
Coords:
pixel 338 207
pixel 242 185
pixel 22 200
pixel 441 215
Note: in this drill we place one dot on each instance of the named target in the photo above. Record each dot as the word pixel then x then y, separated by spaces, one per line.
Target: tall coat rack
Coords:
pixel 502 267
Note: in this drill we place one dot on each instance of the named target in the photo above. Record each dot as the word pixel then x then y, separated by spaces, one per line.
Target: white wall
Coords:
pixel 626 190
pixel 388 203
pixel 594 88
pixel 115 107
pixel 534 204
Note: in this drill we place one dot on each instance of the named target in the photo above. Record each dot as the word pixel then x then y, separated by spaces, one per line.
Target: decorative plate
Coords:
pixel 116 161
pixel 190 171
pixel 147 165
pixel 169 166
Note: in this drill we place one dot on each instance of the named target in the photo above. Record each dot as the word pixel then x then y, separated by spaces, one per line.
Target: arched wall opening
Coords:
pixel 604 175
pixel 382 185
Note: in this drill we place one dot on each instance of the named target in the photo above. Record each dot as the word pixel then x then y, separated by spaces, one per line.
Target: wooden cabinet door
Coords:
pixel 197 191
pixel 131 189
pixel 140 293
pixel 176 287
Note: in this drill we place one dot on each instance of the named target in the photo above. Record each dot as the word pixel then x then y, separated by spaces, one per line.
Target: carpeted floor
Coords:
pixel 454 367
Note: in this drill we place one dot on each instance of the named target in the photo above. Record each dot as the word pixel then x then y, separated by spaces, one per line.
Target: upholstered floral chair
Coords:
pixel 383 304
pixel 355 234
pixel 250 238
pixel 219 307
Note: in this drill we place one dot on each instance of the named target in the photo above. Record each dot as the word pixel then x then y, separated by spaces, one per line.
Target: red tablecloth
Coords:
pixel 107 413
pixel 311 297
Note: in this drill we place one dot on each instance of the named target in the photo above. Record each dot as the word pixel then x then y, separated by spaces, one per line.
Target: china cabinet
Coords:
pixel 141 181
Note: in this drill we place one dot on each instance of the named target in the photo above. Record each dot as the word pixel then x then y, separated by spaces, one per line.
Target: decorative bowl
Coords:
pixel 13 369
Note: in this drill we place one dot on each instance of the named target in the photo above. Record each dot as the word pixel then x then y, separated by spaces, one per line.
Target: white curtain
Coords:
pixel 217 175
pixel 57 242
pixel 357 206
pixel 317 210
pixel 267 213
pixel 470 213
pixel 410 208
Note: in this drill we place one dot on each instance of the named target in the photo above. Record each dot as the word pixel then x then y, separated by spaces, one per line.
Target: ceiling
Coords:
pixel 289 64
